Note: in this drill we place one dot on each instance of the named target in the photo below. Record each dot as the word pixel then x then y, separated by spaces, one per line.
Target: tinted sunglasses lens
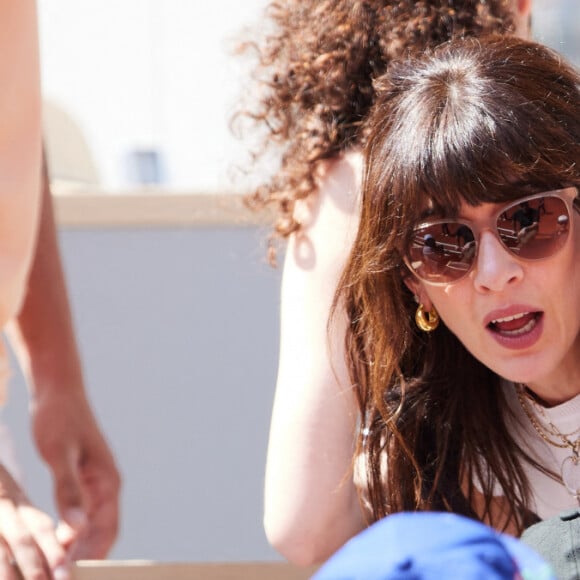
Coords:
pixel 536 228
pixel 442 252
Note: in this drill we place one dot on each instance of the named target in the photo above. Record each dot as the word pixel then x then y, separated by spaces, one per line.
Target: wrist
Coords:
pixel 48 374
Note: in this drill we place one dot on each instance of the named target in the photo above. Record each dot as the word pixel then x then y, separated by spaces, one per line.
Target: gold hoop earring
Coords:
pixel 426 321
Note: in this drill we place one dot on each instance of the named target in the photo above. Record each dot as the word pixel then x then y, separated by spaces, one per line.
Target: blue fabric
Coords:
pixel 433 546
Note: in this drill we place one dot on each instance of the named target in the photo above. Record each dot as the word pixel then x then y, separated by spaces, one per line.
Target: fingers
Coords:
pixel 71 527
pixel 28 545
pixel 99 535
pixel 68 491
pixel 86 479
pixel 20 549
pixel 100 484
pixel 8 568
pixel 43 534
pixel 66 535
pixel 102 495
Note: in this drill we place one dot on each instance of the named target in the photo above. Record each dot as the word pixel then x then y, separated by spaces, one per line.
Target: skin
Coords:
pixel 33 298
pixel 65 430
pixel 500 282
pixel 314 416
pixel 311 506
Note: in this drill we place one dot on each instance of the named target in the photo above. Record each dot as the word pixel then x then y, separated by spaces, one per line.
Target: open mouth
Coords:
pixel 516 325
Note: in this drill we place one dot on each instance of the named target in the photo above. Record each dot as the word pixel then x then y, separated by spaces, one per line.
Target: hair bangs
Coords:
pixel 462 134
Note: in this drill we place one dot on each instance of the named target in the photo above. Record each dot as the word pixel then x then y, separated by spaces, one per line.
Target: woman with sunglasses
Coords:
pixel 467 369
pixel 318 60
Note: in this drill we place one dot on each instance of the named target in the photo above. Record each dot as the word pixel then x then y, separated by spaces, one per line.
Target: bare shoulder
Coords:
pixel 340 181
pixel 338 185
pixel 330 217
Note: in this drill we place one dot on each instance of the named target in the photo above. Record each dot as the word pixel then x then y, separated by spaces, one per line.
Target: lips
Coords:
pixel 517 327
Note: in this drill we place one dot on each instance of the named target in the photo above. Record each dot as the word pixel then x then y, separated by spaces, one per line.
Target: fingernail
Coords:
pixel 61 573
pixel 76 517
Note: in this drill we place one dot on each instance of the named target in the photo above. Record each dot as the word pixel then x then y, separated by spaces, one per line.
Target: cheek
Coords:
pixel 558 279
pixel 453 306
pixel 575 260
pixel 448 300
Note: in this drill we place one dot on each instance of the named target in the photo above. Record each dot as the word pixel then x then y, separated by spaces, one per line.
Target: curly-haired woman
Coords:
pixel 318 62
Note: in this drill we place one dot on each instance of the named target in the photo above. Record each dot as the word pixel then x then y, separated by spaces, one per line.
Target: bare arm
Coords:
pixel 311 506
pixel 65 430
pixel 42 332
pixel 27 536
pixel 20 148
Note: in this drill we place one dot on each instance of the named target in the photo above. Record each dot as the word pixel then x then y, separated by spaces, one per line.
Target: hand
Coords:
pixel 28 544
pixel 86 479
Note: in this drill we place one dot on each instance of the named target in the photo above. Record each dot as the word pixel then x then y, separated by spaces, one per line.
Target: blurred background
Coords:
pixel 152 84
pixel 177 318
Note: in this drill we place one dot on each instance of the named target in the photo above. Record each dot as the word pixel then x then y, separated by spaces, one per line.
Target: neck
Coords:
pixel 552 395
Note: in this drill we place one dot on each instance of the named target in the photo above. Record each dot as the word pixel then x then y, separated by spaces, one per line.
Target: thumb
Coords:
pixel 70 527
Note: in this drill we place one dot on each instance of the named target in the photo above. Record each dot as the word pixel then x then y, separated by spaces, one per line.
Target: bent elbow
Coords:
pixel 298 546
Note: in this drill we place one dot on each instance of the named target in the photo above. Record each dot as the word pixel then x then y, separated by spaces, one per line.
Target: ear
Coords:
pixel 418 290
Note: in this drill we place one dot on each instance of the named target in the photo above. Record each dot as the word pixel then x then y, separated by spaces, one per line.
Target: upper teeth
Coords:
pixel 509 318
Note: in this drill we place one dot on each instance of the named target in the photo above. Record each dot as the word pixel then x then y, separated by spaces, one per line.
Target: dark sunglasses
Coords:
pixel 532 228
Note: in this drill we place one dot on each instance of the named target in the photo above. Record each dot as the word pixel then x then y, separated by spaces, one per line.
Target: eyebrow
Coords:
pixel 431 212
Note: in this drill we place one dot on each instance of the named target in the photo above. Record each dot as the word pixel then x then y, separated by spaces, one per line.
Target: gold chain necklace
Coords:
pixel 570 467
pixel 552 429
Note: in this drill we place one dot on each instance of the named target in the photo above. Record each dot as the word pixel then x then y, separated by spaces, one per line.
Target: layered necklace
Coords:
pixel 570 467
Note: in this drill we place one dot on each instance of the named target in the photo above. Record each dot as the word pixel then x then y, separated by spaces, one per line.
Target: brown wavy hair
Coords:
pixel 317 60
pixel 447 128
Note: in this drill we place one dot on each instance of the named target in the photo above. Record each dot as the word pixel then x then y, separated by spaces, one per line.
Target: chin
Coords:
pixel 522 371
pixel 528 376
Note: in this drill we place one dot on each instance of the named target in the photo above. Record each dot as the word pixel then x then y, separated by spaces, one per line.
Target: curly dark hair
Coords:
pixel 317 60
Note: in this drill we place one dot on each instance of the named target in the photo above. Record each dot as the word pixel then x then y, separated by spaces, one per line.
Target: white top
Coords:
pixel 549 496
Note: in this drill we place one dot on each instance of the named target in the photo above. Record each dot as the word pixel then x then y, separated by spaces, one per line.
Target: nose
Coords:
pixel 495 267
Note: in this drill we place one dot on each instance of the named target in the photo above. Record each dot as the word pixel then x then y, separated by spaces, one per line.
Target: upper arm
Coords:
pixel 20 148
pixel 314 261
pixel 311 504
pixel 309 353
